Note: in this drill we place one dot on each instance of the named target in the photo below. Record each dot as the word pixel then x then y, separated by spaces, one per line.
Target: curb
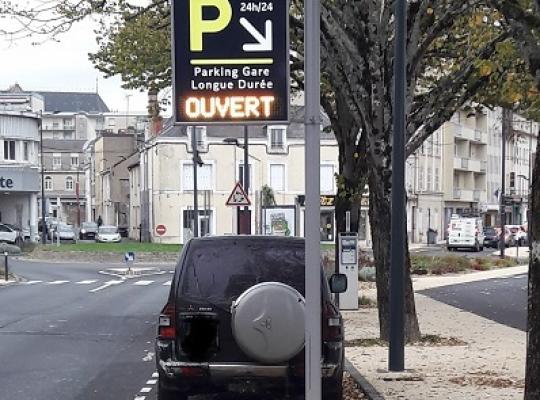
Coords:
pixel 367 388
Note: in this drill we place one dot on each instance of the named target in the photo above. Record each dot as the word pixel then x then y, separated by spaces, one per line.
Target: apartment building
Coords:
pixel 112 154
pixel 276 161
pixel 465 163
pixel 425 200
pixel 19 163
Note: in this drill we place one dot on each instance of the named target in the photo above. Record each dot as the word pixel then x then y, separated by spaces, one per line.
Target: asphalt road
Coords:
pixel 69 332
pixel 502 300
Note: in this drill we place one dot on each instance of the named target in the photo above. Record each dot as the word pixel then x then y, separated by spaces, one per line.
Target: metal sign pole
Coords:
pixel 312 10
pixel 195 192
pixel 397 280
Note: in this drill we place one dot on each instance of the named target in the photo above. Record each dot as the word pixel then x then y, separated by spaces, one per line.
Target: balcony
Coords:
pixel 463 195
pixel 466 133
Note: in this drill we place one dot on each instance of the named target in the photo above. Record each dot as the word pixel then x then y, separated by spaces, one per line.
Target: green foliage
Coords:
pixel 454 264
pixel 138 49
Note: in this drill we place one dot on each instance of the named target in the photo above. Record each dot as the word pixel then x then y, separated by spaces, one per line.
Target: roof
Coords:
pixel 75 102
pixel 63 146
pixel 295 129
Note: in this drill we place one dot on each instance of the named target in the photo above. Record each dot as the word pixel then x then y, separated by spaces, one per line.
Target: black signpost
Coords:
pixel 231 61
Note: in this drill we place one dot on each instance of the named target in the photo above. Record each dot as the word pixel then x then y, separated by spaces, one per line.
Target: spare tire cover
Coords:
pixel 268 322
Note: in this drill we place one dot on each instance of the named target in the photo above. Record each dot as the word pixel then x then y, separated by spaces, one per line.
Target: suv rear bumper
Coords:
pixel 219 371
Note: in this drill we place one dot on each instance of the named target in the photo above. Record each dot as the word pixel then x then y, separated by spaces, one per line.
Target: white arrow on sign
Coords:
pixel 264 42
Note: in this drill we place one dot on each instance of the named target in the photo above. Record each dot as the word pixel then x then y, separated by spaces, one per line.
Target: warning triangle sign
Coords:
pixel 238 196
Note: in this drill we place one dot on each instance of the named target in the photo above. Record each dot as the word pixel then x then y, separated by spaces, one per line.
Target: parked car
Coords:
pixel 123 231
pixel 491 237
pixel 88 231
pixel 235 314
pixel 108 234
pixel 519 234
pixel 18 229
pixel 8 234
pixel 63 232
pixel 465 232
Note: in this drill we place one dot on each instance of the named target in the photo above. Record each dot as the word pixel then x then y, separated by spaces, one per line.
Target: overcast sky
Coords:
pixel 63 66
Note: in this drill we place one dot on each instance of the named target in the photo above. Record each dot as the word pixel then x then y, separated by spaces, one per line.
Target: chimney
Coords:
pixel 156 121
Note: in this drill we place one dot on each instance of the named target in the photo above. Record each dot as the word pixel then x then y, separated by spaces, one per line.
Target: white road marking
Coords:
pixel 151 382
pixel 140 397
pixel 143 283
pixel 155 375
pixel 146 390
pixel 30 282
pixel 56 282
pixel 86 282
pixel 106 285
pixel 167 283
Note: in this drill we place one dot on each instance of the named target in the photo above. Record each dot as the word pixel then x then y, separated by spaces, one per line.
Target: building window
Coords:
pixel 48 183
pixel 26 151
pixel 429 179
pixel 9 150
pixel 57 161
pixel 327 179
pixel 277 177
pixel 205 176
pixel 437 180
pixel 69 183
pixel 277 138
pixel 74 160
pixel 420 179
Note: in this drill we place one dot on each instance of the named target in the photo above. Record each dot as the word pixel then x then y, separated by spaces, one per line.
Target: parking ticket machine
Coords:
pixel 348 265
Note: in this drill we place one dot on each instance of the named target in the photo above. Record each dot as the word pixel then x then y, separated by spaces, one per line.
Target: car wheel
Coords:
pixel 165 394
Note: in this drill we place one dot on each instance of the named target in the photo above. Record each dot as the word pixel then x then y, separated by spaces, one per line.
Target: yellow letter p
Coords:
pixel 199 26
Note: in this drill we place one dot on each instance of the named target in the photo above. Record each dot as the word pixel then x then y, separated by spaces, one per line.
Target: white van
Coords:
pixel 465 233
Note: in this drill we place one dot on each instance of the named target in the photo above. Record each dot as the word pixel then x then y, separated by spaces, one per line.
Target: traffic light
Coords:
pixel 512 179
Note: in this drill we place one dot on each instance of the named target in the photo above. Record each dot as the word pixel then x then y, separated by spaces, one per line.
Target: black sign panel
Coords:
pixel 231 61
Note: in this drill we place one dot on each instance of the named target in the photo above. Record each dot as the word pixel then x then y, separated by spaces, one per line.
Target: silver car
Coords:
pixel 63 232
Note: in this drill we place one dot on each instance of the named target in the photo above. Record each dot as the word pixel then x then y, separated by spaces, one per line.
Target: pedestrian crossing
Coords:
pixel 96 284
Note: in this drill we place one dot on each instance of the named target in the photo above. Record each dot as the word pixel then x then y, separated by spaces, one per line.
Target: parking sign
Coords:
pixel 231 61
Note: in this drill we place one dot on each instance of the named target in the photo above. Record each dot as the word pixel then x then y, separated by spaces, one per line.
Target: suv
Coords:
pixel 234 320
pixel 88 230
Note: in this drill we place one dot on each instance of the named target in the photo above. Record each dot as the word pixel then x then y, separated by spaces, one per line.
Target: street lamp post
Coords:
pixel 43 225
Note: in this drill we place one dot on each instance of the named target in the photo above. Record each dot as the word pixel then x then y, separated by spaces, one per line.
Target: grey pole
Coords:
pixel 312 68
pixel 502 206
pixel 397 298
pixel 246 171
pixel 43 226
pixel 194 151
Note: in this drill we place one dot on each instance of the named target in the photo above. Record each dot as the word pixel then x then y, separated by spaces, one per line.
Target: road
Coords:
pixel 71 332
pixel 503 300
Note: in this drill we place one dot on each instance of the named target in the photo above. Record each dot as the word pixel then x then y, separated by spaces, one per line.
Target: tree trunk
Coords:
pixel 380 221
pixel 532 380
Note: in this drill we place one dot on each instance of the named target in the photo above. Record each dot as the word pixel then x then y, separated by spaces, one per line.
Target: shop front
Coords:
pixel 19 187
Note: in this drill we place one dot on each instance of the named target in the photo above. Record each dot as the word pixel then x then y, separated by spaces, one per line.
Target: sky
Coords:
pixel 63 66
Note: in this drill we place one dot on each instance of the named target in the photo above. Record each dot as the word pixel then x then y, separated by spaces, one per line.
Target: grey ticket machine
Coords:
pixel 348 265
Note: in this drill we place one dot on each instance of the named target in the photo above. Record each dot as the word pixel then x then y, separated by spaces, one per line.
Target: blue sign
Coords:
pixel 129 257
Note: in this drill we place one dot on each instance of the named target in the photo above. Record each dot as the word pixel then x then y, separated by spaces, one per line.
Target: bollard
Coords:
pixel 6 267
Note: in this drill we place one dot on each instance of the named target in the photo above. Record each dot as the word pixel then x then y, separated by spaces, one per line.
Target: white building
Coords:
pixel 276 160
pixel 19 164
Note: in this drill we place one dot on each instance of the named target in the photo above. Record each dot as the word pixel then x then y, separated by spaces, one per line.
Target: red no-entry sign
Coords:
pixel 161 230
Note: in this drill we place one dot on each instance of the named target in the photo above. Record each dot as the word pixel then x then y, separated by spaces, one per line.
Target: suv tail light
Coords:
pixel 167 322
pixel 331 321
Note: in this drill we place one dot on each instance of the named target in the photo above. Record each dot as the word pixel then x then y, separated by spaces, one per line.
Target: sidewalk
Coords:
pixel 485 361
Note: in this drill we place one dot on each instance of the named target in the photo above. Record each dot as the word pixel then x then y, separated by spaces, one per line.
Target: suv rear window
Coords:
pixel 220 271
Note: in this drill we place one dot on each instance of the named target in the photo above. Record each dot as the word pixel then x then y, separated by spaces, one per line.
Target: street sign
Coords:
pixel 230 61
pixel 161 230
pixel 238 196
pixel 129 257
